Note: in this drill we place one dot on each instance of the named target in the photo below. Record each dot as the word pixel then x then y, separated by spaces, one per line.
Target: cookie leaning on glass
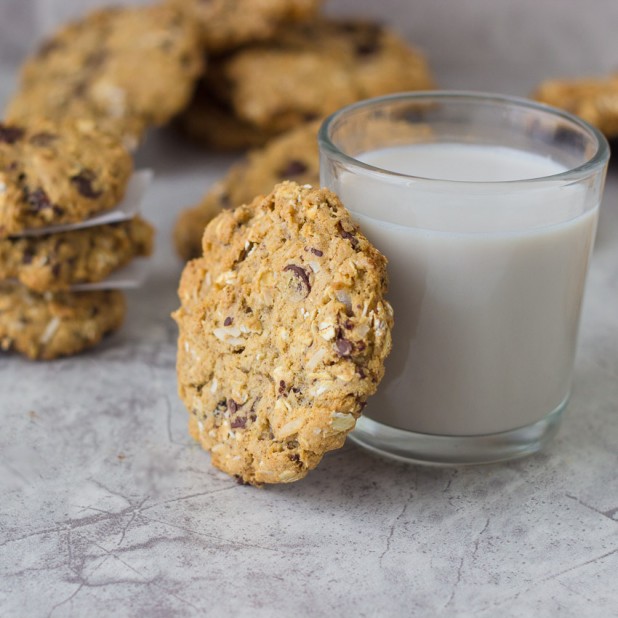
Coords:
pixel 284 330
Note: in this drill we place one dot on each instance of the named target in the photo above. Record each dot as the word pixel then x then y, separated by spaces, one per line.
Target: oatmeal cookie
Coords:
pixel 56 261
pixel 594 100
pixel 226 24
pixel 48 326
pixel 53 174
pixel 292 156
pixel 284 330
pixel 125 68
pixel 311 70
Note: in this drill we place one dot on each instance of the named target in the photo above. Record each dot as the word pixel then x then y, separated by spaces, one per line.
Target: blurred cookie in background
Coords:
pixel 291 156
pixel 593 99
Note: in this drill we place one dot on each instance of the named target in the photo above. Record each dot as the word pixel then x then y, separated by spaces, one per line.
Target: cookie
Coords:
pixel 125 68
pixel 594 100
pixel 53 174
pixel 226 24
pixel 284 330
pixel 48 326
pixel 312 70
pixel 214 125
pixel 292 156
pixel 56 261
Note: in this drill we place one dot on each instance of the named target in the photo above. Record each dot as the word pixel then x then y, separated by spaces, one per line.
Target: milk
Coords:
pixel 486 282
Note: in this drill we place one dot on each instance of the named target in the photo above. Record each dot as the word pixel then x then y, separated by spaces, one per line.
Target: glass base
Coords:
pixel 436 450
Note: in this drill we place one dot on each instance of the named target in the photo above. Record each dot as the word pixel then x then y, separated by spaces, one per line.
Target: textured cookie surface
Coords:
pixel 594 100
pixel 283 333
pixel 56 261
pixel 291 156
pixel 126 68
pixel 52 174
pixel 226 24
pixel 311 70
pixel 48 326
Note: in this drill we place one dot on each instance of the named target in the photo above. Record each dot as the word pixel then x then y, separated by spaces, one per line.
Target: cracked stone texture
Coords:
pixel 109 509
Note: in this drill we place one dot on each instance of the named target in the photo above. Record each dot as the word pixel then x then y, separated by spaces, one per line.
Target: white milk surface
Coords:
pixel 486 283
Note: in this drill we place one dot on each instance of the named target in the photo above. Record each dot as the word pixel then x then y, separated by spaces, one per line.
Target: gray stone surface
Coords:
pixel 109 509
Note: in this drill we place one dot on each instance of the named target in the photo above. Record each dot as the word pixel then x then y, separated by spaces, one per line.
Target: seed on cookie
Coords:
pixel 276 359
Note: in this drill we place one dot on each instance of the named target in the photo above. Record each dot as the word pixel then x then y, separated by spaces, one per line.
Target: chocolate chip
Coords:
pixel 294 457
pixel 293 168
pixel 83 182
pixel 303 277
pixel 344 347
pixel 282 387
pixel 253 417
pixel 232 406
pixel 239 422
pixel 316 252
pixel 43 139
pixel 27 256
pixel 228 321
pixel 368 48
pixel 347 235
pixel 224 200
pixel 349 324
pixel 56 270
pixel 37 199
pixel 57 210
pixel 10 135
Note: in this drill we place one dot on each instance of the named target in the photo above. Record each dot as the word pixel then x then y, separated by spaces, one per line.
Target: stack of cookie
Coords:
pixel 85 99
pixel 61 174
pixel 307 71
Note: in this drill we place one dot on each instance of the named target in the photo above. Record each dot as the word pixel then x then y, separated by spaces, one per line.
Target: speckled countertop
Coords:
pixel 109 509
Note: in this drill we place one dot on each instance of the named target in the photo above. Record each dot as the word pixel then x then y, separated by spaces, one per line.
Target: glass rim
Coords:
pixel 587 168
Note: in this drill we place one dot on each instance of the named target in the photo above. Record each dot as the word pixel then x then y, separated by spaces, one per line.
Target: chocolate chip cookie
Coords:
pixel 52 174
pixel 311 70
pixel 56 261
pixel 226 24
pixel 593 99
pixel 284 330
pixel 292 156
pixel 48 326
pixel 125 68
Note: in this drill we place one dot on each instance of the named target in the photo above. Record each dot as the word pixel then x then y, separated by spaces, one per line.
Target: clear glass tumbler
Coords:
pixel 486 208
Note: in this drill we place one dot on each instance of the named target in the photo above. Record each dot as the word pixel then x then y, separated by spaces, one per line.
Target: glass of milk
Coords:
pixel 486 208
